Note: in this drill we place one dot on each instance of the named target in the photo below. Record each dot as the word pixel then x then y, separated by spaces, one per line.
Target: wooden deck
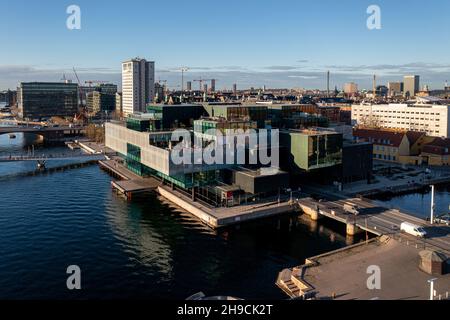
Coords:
pixel 130 183
pixel 136 186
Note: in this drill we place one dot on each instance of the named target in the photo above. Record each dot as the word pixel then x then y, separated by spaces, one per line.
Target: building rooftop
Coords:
pixel 312 131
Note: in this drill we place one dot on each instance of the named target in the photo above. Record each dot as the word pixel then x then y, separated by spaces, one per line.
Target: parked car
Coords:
pixel 413 229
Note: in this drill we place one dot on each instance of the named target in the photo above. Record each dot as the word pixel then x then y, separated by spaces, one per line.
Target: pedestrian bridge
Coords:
pixel 49 134
pixel 46 158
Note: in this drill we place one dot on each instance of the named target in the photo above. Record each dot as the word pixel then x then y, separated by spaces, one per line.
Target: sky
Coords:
pixel 279 44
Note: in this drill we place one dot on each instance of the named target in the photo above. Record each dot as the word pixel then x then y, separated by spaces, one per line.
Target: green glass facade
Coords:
pixel 309 151
pixel 38 100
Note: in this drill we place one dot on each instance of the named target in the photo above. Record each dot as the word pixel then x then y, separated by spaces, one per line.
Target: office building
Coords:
pixel 431 119
pixel 159 92
pixel 189 86
pixel 411 86
pixel 102 99
pixel 213 85
pixel 395 88
pixel 138 85
pixel 37 100
pixel 119 108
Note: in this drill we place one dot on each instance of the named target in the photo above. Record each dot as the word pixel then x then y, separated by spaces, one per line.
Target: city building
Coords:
pixel 229 111
pixel 102 99
pixel 395 88
pixel 357 162
pixel 189 86
pixel 37 100
pixel 11 98
pixel 295 116
pixel 176 115
pixel 431 119
pixel 350 88
pixel 436 152
pixel 306 150
pixel 393 146
pixel 149 152
pixel 119 107
pixel 411 86
pixel 414 148
pixel 159 92
pixel 138 85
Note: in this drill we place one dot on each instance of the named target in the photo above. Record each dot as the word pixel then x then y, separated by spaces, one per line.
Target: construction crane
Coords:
pixel 80 116
pixel 182 70
pixel 80 88
pixel 163 81
pixel 201 81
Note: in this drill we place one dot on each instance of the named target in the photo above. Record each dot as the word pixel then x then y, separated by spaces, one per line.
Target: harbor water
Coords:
pixel 146 249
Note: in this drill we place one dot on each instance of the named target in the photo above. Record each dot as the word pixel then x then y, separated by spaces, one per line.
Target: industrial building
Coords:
pixel 38 100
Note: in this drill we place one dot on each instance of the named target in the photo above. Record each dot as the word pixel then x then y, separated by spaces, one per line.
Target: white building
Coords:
pixel 138 85
pixel 428 118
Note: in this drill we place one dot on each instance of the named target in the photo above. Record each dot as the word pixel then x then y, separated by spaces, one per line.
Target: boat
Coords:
pixel 12 136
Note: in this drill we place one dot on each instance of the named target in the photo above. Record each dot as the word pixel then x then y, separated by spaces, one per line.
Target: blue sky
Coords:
pixel 283 43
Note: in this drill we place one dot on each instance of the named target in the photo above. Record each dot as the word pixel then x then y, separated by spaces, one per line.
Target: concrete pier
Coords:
pixel 352 229
pixel 344 274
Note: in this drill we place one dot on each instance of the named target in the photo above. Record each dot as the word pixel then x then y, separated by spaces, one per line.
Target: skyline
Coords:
pixel 307 40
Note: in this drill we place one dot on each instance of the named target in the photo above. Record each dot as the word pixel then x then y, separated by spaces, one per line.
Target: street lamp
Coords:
pixel 432 205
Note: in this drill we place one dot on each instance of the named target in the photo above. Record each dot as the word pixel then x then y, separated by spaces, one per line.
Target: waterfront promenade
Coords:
pixel 130 185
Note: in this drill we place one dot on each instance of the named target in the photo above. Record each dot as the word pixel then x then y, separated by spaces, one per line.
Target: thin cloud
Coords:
pixel 281 68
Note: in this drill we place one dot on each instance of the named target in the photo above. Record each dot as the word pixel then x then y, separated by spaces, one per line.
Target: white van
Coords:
pixel 413 229
pixel 351 208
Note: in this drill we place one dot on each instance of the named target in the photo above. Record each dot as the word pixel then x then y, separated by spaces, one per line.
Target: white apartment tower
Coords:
pixel 138 85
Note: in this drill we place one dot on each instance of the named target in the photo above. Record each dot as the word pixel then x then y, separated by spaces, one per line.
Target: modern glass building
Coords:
pixel 306 150
pixel 39 100
pixel 177 115
pixel 258 113
pixel 102 99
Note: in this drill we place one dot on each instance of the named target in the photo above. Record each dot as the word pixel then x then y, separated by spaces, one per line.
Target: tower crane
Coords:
pixel 201 81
